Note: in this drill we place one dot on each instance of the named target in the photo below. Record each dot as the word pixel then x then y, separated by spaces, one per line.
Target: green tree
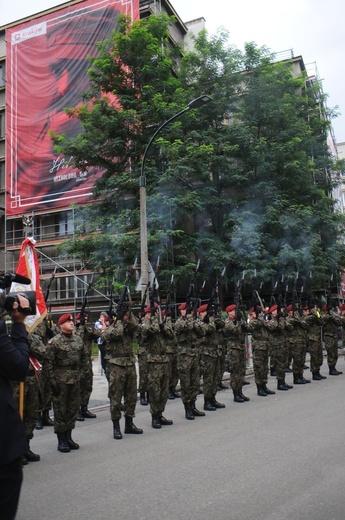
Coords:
pixel 244 182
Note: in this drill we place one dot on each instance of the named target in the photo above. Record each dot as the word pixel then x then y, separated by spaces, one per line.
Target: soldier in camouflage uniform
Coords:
pixel 257 326
pixel 211 353
pixel 142 363
pixel 234 335
pixel 278 329
pixel 154 330
pixel 65 363
pixel 171 352
pixel 121 371
pixel 45 330
pixel 297 341
pixel 314 323
pixel 331 322
pixel 88 334
pixel 189 333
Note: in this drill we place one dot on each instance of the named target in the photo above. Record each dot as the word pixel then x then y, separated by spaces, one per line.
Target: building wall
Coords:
pixel 56 224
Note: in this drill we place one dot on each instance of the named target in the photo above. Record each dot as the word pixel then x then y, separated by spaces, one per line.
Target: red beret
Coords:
pixel 203 308
pixel 64 318
pixel 182 306
pixel 230 308
pixel 148 308
pixel 79 314
pixel 289 308
pixel 342 307
pixel 273 308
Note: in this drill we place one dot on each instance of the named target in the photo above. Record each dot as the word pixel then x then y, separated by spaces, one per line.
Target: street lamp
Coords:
pixel 195 103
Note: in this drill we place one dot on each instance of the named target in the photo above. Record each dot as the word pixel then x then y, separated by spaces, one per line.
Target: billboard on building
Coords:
pixel 46 64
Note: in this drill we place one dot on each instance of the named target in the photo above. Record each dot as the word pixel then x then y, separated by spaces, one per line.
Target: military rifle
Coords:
pixel 191 300
pixel 83 307
pixel 120 304
pixel 213 302
pixel 168 298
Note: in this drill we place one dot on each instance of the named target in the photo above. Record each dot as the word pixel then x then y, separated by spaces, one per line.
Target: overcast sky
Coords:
pixel 313 29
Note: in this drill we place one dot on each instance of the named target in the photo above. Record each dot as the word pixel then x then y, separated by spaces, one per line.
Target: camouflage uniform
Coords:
pixel 331 322
pixel 120 363
pixel 142 362
pixel 278 329
pixel 257 326
pixel 171 351
pixel 211 352
pixel 65 363
pixel 234 335
pixel 297 341
pixel 45 330
pixel 88 334
pixel 189 333
pixel 153 335
pixel 314 344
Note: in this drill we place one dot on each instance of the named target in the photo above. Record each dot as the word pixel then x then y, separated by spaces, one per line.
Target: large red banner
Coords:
pixel 46 66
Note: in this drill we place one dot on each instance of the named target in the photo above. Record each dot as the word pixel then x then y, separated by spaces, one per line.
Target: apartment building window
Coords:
pixel 2 176
pixel 66 223
pixel 2 75
pixel 2 124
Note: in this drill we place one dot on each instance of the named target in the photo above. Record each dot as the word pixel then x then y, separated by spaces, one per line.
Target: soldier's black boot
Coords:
pixel 38 424
pixel 244 397
pixel 46 420
pixel 261 391
pixel 189 411
pixel 164 421
pixel 143 400
pixel 208 405
pixel 156 424
pixel 267 390
pixel 87 414
pixel 237 397
pixel 62 443
pixel 281 385
pixel 272 371
pixel 216 403
pixel 116 429
pixel 171 393
pixel 298 380
pixel 80 416
pixel 196 412
pixel 334 372
pixel 130 426
pixel 317 376
pixel 73 445
pixel 31 456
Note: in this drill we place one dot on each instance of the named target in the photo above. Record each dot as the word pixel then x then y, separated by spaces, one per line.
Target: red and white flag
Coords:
pixel 28 267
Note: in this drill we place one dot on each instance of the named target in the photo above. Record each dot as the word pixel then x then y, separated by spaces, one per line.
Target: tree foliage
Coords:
pixel 243 182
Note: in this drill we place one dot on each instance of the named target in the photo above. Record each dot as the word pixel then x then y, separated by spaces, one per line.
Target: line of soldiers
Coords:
pixel 191 347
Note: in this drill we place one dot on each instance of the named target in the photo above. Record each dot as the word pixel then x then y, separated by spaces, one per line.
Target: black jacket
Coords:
pixel 14 363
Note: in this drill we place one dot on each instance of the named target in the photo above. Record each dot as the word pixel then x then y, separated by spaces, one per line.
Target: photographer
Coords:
pixel 14 362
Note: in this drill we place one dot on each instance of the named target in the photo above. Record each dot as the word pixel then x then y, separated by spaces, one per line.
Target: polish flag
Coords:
pixel 28 267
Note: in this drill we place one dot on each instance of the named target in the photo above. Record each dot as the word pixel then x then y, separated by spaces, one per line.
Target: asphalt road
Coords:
pixel 274 458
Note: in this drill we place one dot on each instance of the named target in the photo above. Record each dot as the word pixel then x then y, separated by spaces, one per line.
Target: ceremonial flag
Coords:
pixel 28 267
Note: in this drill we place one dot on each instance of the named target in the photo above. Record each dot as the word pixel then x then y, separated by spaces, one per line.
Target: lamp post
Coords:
pixel 195 103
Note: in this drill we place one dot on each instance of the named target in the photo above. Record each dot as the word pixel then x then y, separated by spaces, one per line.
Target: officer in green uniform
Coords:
pixel 65 363
pixel 121 371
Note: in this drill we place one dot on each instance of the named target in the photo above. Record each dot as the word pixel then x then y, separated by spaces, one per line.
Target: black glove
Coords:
pixel 55 390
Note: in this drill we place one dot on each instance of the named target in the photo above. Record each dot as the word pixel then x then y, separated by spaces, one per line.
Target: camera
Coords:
pixel 7 299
